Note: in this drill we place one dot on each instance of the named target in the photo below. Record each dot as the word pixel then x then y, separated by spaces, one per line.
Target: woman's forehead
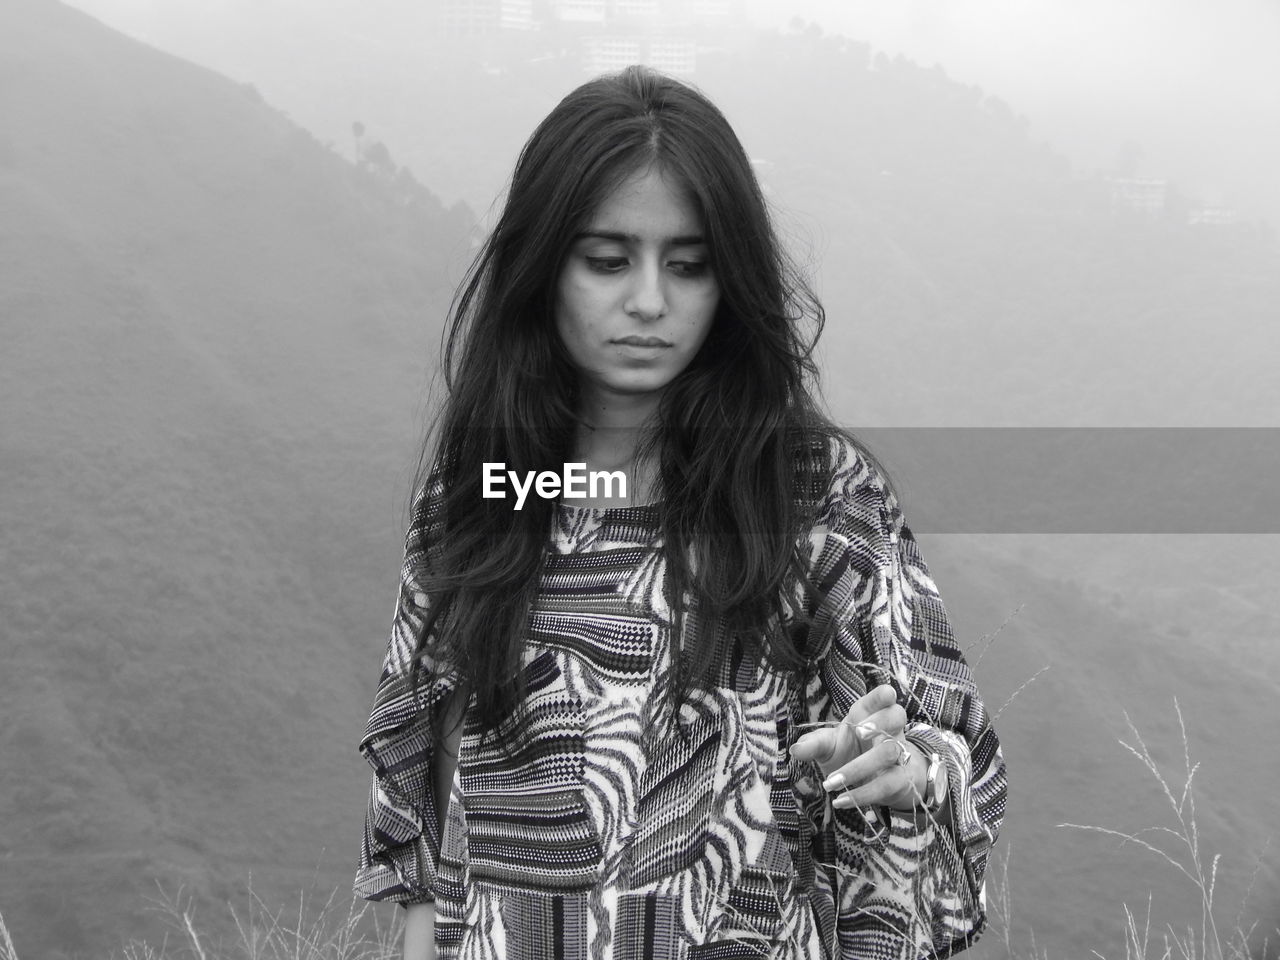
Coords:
pixel 650 204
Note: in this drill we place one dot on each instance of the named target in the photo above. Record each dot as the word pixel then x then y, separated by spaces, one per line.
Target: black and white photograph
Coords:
pixel 639 480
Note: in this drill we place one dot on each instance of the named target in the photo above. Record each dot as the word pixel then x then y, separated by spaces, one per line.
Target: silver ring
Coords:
pixel 904 757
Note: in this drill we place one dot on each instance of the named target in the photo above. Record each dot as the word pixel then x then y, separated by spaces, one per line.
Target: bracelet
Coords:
pixel 933 799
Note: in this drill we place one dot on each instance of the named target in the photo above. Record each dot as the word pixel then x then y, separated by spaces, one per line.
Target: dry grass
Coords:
pixel 331 930
pixel 1178 846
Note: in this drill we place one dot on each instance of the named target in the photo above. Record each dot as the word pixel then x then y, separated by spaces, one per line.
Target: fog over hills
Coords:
pixel 1188 91
pixel 217 340
pixel 884 170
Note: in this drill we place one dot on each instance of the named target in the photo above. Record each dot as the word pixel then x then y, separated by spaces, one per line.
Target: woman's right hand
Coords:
pixel 420 932
pixel 867 754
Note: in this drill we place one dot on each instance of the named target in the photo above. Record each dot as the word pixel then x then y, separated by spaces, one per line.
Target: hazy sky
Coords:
pixel 1195 84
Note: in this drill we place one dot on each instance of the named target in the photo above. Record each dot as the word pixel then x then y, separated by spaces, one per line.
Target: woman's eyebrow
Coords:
pixel 691 240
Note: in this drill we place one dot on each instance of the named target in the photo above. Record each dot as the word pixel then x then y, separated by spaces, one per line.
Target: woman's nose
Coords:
pixel 647 298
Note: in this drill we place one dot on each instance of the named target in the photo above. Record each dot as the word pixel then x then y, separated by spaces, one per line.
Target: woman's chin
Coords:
pixel 635 386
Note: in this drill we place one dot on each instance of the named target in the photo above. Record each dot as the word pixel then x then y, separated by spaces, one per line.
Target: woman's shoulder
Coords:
pixel 426 520
pixel 845 488
pixel 428 499
pixel 834 465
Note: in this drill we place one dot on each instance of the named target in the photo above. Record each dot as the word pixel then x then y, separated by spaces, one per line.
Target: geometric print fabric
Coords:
pixel 605 832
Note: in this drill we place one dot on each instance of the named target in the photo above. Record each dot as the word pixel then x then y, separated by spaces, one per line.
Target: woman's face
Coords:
pixel 636 296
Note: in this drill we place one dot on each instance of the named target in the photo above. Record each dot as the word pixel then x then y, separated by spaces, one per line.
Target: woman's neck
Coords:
pixel 609 435
pixel 617 411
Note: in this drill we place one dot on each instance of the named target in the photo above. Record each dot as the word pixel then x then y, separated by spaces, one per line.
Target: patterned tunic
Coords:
pixel 601 834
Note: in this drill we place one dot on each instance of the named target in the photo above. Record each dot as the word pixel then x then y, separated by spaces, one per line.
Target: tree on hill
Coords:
pixel 357 131
pixel 378 159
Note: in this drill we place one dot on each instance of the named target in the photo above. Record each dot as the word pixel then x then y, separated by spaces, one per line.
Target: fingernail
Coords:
pixel 843 801
pixel 834 782
pixel 866 729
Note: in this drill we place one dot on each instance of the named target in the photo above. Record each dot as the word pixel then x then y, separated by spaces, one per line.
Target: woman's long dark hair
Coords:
pixel 732 428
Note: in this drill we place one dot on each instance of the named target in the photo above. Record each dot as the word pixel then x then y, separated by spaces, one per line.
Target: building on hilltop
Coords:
pixel 634 9
pixel 1213 216
pixel 665 34
pixel 670 54
pixel 1136 195
pixel 604 35
pixel 579 11
pixel 673 54
pixel 682 12
pixel 477 18
pixel 602 53
pixel 719 9
pixel 466 18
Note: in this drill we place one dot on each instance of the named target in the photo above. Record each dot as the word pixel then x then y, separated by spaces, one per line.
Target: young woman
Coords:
pixel 718 713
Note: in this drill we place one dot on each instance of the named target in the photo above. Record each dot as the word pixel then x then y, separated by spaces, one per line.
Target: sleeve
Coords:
pixel 915 887
pixel 400 853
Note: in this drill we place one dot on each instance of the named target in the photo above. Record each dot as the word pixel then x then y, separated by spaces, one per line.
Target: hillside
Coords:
pixel 216 333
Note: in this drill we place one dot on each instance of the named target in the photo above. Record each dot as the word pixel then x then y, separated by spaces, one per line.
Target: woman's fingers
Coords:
pixel 887 790
pixel 817 745
pixel 862 757
pixel 833 747
pixel 888 722
pixel 829 747
pixel 868 765
pixel 872 702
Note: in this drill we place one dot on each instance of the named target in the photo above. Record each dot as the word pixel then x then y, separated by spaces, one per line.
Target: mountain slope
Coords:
pixel 216 336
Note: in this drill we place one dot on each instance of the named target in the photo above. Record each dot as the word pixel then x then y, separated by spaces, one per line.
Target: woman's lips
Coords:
pixel 642 342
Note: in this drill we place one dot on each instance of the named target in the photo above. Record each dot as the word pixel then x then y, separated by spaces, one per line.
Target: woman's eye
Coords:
pixel 689 268
pixel 606 264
